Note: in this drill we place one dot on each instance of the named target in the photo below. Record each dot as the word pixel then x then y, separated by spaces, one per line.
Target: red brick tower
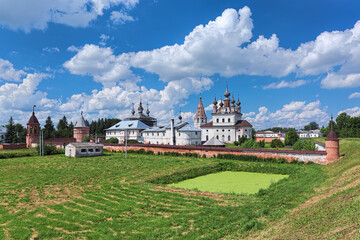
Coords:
pixel 332 145
pixel 81 129
pixel 33 130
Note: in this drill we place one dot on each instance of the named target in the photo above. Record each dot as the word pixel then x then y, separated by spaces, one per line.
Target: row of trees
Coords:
pixel 344 126
pixel 16 133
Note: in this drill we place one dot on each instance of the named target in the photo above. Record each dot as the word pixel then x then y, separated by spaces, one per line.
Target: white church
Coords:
pixel 226 124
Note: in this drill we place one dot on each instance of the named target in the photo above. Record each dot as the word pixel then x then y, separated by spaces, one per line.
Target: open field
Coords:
pixel 111 197
pixel 230 182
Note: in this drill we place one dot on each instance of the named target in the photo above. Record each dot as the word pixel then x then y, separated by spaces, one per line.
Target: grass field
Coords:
pixel 230 182
pixel 110 197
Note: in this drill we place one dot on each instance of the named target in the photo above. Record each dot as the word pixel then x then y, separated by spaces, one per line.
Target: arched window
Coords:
pixel 31 129
pixel 217 120
pixel 228 119
pixel 223 119
pixel 35 130
pixel 217 137
pixel 207 138
pixel 198 120
pixel 229 138
pixel 223 138
pixel 202 120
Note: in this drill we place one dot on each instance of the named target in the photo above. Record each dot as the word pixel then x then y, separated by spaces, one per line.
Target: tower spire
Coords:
pixel 200 115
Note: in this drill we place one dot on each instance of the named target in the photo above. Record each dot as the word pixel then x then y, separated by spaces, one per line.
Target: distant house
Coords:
pixel 268 136
pixel 86 149
pixel 310 134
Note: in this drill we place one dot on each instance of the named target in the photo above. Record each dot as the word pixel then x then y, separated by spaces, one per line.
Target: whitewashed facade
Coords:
pixel 226 124
pixel 183 134
pixel 133 129
pixel 310 134
pixel 83 149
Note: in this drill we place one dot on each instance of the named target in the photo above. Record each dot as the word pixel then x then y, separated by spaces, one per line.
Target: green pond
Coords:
pixel 230 182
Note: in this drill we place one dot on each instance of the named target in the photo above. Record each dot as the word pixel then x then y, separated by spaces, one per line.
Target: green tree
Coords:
pixel 62 128
pixel 49 130
pixel 291 137
pixel 311 126
pixel 10 135
pixel 20 133
pixel 276 143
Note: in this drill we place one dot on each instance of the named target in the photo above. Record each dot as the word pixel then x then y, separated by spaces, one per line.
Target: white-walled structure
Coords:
pixel 226 124
pixel 182 133
pixel 310 134
pixel 83 149
pixel 133 129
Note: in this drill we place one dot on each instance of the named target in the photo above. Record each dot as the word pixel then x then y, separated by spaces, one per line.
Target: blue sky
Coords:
pixel 290 62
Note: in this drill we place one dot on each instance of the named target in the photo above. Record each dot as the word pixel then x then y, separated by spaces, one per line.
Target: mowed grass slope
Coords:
pixel 334 211
pixel 110 197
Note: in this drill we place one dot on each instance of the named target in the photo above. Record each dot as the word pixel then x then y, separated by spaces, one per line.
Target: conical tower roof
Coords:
pixel 332 135
pixel 200 112
pixel 33 119
pixel 81 122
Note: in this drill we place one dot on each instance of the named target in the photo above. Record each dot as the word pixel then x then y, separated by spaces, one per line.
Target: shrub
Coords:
pixel 49 149
pixel 111 140
pixel 86 139
pixel 277 143
pixel 236 143
pixel 304 144
pixel 262 143
pixel 242 140
pixel 133 141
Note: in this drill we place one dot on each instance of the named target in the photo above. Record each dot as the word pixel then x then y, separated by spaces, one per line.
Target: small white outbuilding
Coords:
pixel 83 149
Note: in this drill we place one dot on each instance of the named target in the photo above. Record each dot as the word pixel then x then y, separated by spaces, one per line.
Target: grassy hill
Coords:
pixel 110 197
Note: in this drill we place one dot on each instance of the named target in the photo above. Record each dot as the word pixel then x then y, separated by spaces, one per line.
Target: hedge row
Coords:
pixel 247 158
pixel 15 155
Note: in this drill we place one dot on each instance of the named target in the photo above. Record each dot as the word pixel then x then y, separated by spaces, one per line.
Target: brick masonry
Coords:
pixel 13 146
pixel 289 155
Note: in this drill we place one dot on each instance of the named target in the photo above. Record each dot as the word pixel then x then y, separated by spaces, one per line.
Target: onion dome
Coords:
pixel 132 110
pixel 233 100
pixel 221 103
pixel 148 111
pixel 180 117
pixel 140 108
pixel 227 93
pixel 238 102
pixel 215 101
pixel 332 135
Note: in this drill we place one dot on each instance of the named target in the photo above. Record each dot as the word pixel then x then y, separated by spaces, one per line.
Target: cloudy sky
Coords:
pixel 289 62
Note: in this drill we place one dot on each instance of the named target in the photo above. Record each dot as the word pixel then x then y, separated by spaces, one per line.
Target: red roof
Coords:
pixel 243 123
pixel 200 112
pixel 209 124
pixel 33 119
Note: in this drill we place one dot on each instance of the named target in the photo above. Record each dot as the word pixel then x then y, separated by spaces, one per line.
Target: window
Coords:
pixel 163 134
pixel 198 120
pixel 229 130
pixel 83 150
pixel 207 138
pixel 207 130
pixel 158 134
pixel 217 120
pixel 217 137
pixel 97 150
pixel 152 134
pixel 202 120
pixel 223 120
pixel 179 134
pixel 91 150
pixel 195 133
pixel 31 129
pixel 229 138
pixel 228 119
pixel 223 138
pixel 223 130
pixel 35 129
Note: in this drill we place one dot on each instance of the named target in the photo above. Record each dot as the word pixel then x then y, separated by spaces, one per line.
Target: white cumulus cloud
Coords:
pixel 8 73
pixel 353 112
pixel 36 14
pixel 354 95
pixel 285 84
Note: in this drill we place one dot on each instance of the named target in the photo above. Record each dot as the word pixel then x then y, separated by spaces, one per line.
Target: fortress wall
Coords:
pixel 289 155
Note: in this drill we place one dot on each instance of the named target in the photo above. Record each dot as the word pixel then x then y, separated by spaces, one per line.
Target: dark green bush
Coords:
pixel 49 149
pixel 277 143
pixel 133 141
pixel 262 143
pixel 111 140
